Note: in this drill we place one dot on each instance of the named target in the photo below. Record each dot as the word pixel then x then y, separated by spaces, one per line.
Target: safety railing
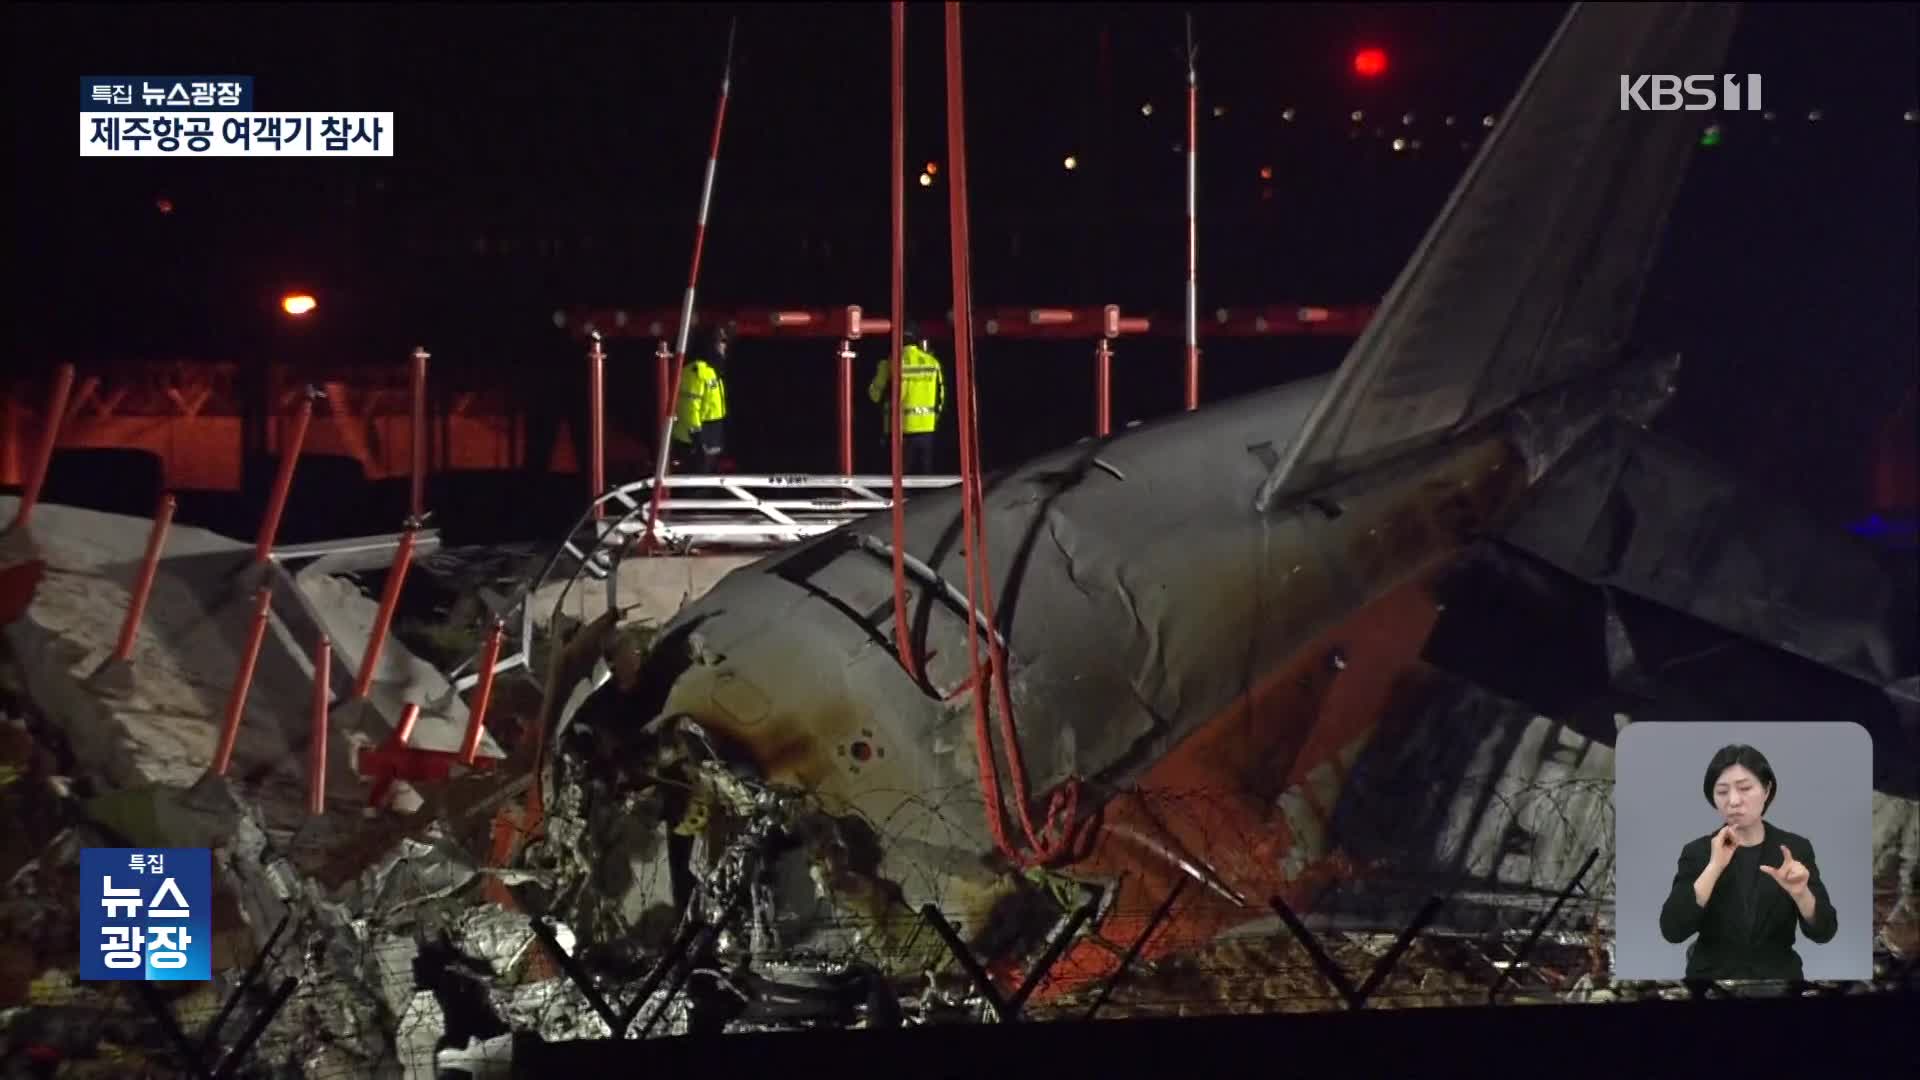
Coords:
pixel 697 513
pixel 744 511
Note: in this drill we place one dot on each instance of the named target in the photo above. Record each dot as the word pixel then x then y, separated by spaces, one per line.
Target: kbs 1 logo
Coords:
pixel 1664 93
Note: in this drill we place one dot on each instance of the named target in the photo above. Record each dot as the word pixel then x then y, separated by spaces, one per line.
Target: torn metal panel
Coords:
pixel 1477 800
pixel 557 1011
pixel 1635 511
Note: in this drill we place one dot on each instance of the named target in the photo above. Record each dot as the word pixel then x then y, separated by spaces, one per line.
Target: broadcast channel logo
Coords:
pixel 146 914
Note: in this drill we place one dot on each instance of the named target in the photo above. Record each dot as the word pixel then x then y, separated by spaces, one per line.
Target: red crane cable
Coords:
pixel 979 580
pixel 902 632
pixel 671 406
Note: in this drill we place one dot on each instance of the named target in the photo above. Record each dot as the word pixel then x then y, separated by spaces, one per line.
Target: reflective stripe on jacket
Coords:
pixel 923 391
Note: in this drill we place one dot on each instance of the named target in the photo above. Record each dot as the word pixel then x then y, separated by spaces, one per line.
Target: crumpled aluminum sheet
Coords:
pixel 557 1011
pixel 480 1059
pixel 421 1025
pixel 500 937
pixel 415 871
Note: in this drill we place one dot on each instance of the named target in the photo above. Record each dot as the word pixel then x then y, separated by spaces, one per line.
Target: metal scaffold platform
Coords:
pixel 710 514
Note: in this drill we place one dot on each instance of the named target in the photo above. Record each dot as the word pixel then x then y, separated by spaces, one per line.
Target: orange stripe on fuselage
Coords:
pixel 1223 795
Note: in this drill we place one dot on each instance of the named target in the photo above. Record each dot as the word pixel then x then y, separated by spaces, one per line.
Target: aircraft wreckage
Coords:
pixel 1203 629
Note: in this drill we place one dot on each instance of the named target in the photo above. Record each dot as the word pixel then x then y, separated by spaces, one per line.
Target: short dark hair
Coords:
pixel 1746 757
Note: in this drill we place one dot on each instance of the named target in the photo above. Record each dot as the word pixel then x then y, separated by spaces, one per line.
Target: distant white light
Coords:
pixel 1407 120
pixel 1287 114
pixel 1814 115
pixel 1399 145
pixel 560 320
pixel 1487 120
pixel 1219 111
pixel 1071 163
pixel 1357 115
pixel 925 180
pixel 1449 121
pixel 1146 109
pixel 1913 116
pixel 1768 115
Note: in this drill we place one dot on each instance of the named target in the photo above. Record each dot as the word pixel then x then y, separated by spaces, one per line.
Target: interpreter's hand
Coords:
pixel 1720 851
pixel 1791 874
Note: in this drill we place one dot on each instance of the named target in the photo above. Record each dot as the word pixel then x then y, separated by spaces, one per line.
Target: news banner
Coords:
pixel 146 914
pixel 213 116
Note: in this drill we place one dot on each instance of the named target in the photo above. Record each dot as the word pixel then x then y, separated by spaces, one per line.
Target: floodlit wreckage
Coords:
pixel 1317 655
pixel 1213 635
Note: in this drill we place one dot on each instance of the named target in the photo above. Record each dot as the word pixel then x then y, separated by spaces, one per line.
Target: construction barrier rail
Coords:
pixel 1038 323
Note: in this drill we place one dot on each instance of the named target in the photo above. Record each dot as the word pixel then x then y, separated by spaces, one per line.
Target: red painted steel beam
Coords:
pixel 317 733
pixel 1065 324
pixel 243 681
pixel 56 415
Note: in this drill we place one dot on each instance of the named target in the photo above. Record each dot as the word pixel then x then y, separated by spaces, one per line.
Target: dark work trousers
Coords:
pixel 916 454
pixel 701 457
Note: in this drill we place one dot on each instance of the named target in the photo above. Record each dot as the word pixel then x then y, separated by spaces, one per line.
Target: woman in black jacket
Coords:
pixel 1743 888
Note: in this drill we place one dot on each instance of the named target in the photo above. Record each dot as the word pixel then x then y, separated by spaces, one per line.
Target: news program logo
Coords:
pixel 213 116
pixel 146 914
pixel 1667 93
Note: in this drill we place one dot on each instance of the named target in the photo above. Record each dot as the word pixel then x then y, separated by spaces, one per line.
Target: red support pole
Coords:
pixel 419 447
pixel 596 423
pixel 143 585
pixel 317 735
pixel 283 483
pixel 383 783
pixel 409 716
pixel 845 395
pixel 1103 388
pixel 482 693
pixel 902 628
pixel 49 436
pixel 383 619
pixel 1193 243
pixel 242 682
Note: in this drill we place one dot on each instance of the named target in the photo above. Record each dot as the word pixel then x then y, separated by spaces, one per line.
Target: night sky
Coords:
pixel 551 156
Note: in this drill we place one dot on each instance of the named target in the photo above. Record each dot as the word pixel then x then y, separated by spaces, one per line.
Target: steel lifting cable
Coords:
pixel 1062 807
pixel 902 631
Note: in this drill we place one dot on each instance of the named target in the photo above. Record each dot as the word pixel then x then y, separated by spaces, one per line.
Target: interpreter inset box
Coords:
pixel 1743 851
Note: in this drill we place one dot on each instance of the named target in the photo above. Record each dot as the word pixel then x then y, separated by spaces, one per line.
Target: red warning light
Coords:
pixel 1370 63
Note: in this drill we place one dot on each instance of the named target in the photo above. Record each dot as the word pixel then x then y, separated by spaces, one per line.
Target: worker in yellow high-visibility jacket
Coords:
pixel 699 423
pixel 923 395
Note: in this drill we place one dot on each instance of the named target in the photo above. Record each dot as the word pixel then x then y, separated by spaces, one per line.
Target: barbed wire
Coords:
pixel 418 951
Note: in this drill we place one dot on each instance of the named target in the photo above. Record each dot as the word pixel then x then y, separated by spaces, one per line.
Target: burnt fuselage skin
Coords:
pixel 1169 646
